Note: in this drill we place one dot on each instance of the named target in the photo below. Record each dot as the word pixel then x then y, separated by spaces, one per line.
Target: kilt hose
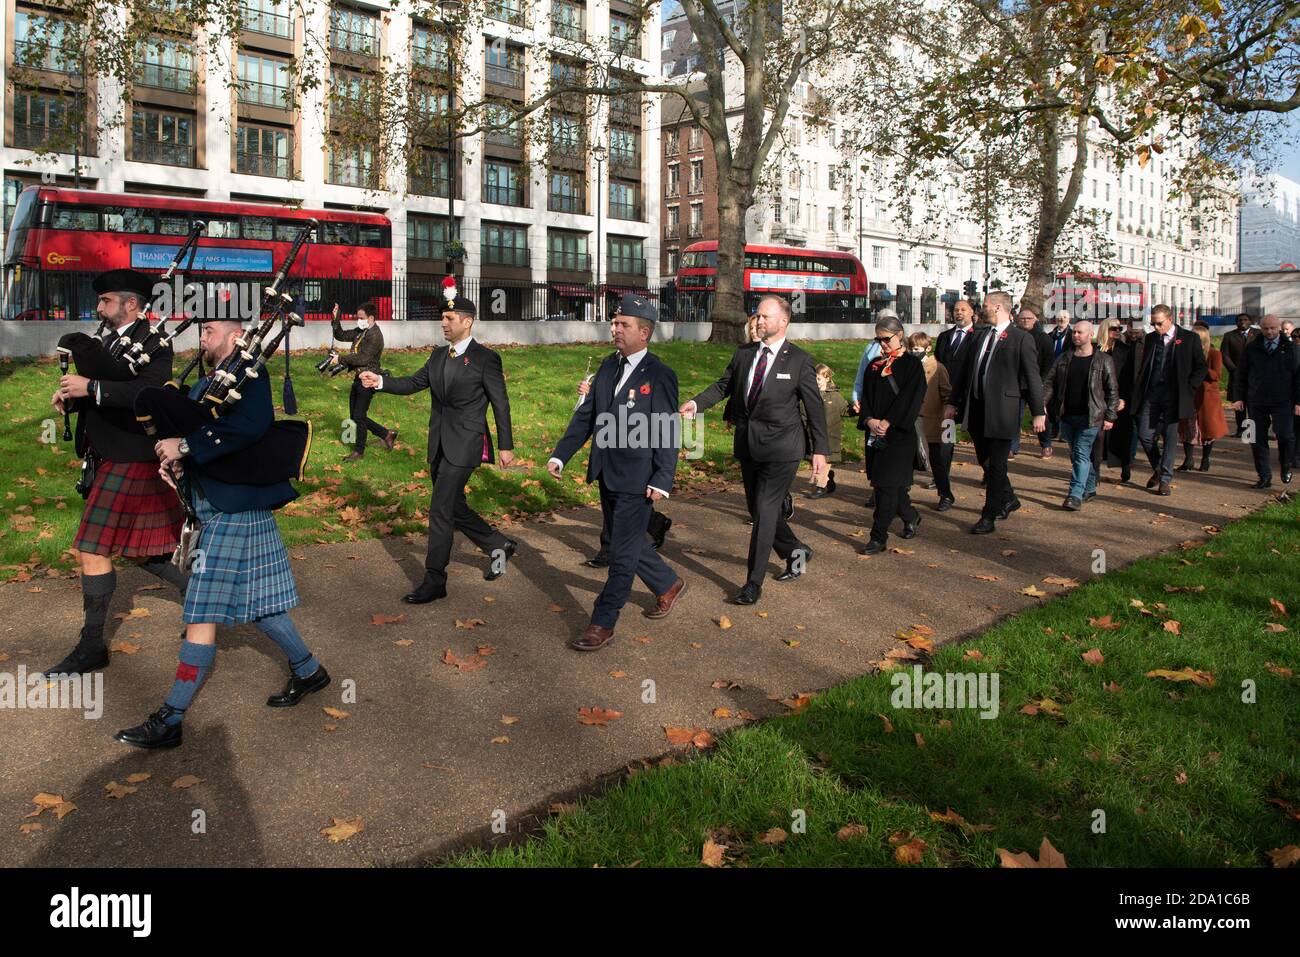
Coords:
pixel 244 574
pixel 130 511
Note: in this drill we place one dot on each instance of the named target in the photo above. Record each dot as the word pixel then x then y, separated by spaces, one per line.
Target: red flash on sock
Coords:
pixel 186 672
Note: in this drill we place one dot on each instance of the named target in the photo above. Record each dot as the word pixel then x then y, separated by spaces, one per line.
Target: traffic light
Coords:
pixel 969 289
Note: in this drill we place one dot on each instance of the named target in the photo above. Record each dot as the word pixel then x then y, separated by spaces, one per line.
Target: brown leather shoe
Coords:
pixel 390 440
pixel 667 600
pixel 355 456
pixel 593 639
pixel 1164 489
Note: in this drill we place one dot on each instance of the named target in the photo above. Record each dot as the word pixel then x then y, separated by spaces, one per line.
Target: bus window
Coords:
pixel 257 227
pixel 287 230
pixel 223 228
pixel 128 219
pixel 373 236
pixel 343 234
pixel 24 216
pixel 173 224
pixel 75 217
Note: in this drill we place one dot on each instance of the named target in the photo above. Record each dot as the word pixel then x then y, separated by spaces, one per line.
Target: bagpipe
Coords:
pixel 169 412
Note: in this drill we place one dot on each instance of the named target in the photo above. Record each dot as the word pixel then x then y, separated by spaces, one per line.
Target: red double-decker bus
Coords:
pixel 60 239
pixel 1093 297
pixel 833 284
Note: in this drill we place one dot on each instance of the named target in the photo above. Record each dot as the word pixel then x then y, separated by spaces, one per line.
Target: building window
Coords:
pixel 508 11
pixel 504 129
pixel 567 193
pixel 625 256
pixel 352 166
pixel 877 257
pixel 674 256
pixel 504 245
pixel 697 176
pixel 266 16
pixel 568 20
pixel 566 250
pixel 624 35
pixel 696 138
pixel 46 43
pixel 904 259
pixel 927 260
pixel 429 48
pixel 624 150
pixel 44 121
pixel 263 151
pixel 502 184
pixel 264 82
pixel 426 236
pixel 166 138
pixel 165 64
pixel 430 175
pixel 695 228
pixel 623 201
pixel 505 66
pixel 674 183
pixel 354 31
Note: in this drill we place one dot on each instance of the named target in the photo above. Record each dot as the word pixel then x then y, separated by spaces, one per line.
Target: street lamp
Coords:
pixel 449 10
pixel 598 154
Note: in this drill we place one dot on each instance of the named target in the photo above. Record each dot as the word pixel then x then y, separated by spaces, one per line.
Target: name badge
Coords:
pixel 783 375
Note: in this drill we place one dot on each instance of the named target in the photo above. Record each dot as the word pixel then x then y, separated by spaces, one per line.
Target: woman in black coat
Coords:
pixel 893 389
pixel 1121 442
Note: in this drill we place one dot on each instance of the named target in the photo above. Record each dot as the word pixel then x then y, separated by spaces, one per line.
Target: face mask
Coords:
pixel 919 353
pixel 363 323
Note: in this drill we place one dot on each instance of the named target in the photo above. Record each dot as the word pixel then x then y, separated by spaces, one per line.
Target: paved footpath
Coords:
pixel 424 757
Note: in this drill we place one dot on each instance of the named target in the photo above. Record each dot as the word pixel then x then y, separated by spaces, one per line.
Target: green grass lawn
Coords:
pixel 385 493
pixel 1184 773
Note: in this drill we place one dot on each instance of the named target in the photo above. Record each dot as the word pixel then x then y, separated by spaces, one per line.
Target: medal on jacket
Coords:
pixel 631 398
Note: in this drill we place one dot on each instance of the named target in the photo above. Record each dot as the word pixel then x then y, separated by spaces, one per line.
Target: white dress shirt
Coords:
pixel 457 351
pixel 988 350
pixel 775 348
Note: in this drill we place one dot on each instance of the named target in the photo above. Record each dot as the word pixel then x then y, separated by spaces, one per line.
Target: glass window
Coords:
pixel 372 236
pixel 343 234
pixel 75 217
pixel 258 227
pixel 173 224
pixel 222 228
pixel 130 220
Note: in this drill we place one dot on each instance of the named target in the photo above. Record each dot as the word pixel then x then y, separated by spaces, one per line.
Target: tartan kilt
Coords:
pixel 130 511
pixel 245 568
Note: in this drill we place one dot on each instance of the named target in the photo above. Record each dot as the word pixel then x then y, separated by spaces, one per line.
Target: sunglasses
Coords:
pixel 884 340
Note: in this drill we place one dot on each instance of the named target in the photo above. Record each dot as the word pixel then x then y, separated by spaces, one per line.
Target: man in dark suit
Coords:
pixel 1234 341
pixel 1269 370
pixel 631 418
pixel 463 378
pixel 951 343
pixel 1000 369
pixel 1173 366
pixel 764 384
pixel 1027 319
pixel 364 356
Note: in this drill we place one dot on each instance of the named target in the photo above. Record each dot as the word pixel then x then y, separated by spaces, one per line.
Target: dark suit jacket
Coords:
pixel 621 464
pixel 243 424
pixel 943 350
pixel 1012 375
pixel 110 427
pixel 1188 370
pixel 773 431
pixel 458 417
pixel 1234 340
pixel 1269 380
pixel 367 347
pixel 1046 351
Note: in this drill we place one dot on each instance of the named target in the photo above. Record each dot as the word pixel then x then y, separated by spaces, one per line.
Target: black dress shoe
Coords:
pixel 155 732
pixel 1010 507
pixel 787 507
pixel 492 574
pixel 299 688
pixel 909 528
pixel 1263 483
pixel 790 574
pixel 817 493
pixel 426 593
pixel 1125 473
pixel 601 560
pixel 983 526
pixel 1286 477
pixel 657 541
pixel 746 596
pixel 79 662
pixel 873 547
pixel 945 503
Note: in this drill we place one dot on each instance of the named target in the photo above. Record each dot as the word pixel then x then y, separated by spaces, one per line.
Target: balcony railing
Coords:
pixel 166 154
pixel 568 23
pixel 632 211
pixel 503 195
pixel 264 164
pixel 694 230
pixel 426 249
pixel 673 189
pixel 629 45
pixel 347 173
pixel 696 188
pixel 257 93
pixel 270 24
pixel 506 12
pixel 671 231
pixel 566 203
pixel 504 255
pixel 430 185
pixel 177 78
pixel 506 137
pixel 625 162
pixel 57 138
pixel 361 42
pixel 575 262
pixel 47 55
pixel 507 76
pixel 625 107
pixel 626 266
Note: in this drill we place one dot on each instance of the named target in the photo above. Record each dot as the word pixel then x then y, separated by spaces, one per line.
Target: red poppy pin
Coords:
pixel 1004 334
pixel 645 388
pixel 467 360
pixel 1178 342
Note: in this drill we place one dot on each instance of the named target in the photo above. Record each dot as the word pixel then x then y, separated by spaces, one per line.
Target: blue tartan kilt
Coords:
pixel 245 568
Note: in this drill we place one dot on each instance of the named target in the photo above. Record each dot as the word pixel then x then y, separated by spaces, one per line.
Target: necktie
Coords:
pixel 983 369
pixel 956 341
pixel 1060 344
pixel 448 370
pixel 1270 344
pixel 756 386
pixel 618 377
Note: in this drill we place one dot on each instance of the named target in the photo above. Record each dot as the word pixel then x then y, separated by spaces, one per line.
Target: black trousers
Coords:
pixel 630 555
pixel 892 502
pixel 941 466
pixel 358 408
pixel 992 454
pixel 657 522
pixel 1282 421
pixel 448 512
pixel 766 486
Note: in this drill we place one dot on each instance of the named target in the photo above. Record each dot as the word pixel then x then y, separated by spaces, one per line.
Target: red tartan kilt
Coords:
pixel 130 511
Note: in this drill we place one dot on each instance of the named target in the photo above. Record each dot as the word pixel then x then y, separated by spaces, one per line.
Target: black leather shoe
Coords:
pixel 746 596
pixel 1263 483
pixel 790 574
pixel 1089 496
pixel 1286 477
pixel 426 593
pixel 817 493
pixel 1125 473
pixel 909 528
pixel 1072 504
pixel 1010 507
pixel 79 663
pixel 657 541
pixel 299 688
pixel 945 504
pixel 601 560
pixel 983 526
pixel 492 574
pixel 154 733
pixel 873 547
pixel 787 507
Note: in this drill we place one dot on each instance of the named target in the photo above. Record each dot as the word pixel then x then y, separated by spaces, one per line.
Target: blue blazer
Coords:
pixel 632 446
pixel 245 422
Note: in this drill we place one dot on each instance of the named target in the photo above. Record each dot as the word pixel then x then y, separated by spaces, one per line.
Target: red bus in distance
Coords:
pixel 60 239
pixel 833 284
pixel 1094 297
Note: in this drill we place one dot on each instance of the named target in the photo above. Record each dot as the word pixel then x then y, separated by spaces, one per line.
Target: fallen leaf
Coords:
pixel 597 716
pixel 1063 582
pixel 509 719
pixel 1180 777
pixel 952 817
pixel 973 655
pixel 724 685
pixel 1105 622
pixel 186 781
pixel 472 663
pixel 721 712
pixel 469 623
pixel 1048 856
pixel 1278 607
pixel 1033 592
pixel 791 642
pixel 117 791
pixel 1285 856
pixel 920 740
pixel 724 622
pixel 403 642
pixel 1045 705
pixel 850 832
pixel 561 807
pixel 1202 678
pixel 31 828
pixel 138 777
pixel 1093 656
pixel 379 619
pixel 889 725
pixel 501 740
pixel 556 608
pixel 913 852
pixel 1112 687
pixel 711 856
pixel 694 736
pixel 336 714
pixel 1275 628
pixel 1172 627
pixel 775 836
pixel 123 647
pixel 340 830
pixel 1278 670
pixel 761 614
pixel 1008 552
pixel 989 578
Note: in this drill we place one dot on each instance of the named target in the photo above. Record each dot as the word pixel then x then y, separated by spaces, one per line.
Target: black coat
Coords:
pixel 1187 372
pixel 1012 375
pixel 892 466
pixel 110 427
pixel 944 352
pixel 1234 340
pixel 619 464
pixel 773 432
pixel 1269 380
pixel 458 416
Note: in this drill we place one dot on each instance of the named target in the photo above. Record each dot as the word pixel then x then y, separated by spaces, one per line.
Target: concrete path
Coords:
pixel 425 756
